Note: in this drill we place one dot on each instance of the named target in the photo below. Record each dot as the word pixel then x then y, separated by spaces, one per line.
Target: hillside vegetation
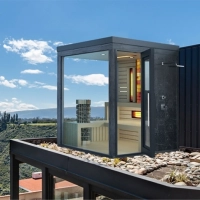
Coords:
pixel 15 131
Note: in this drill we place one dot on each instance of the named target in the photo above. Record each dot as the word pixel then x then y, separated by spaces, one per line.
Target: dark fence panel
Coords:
pixel 189 110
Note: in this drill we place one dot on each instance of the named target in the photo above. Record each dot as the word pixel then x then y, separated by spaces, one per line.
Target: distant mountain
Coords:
pixel 69 112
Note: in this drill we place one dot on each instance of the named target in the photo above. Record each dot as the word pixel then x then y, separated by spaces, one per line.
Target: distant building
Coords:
pixel 33 188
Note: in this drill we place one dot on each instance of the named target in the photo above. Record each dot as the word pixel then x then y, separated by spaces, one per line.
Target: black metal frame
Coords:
pixel 94 178
pixel 113 91
pixel 150 55
pixel 189 109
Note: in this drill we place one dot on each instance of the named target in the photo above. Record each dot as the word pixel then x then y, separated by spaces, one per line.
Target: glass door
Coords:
pixel 148 146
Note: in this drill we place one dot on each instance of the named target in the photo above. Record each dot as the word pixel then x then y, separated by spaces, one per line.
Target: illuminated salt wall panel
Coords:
pixel 138 69
pixel 136 114
pixel 131 84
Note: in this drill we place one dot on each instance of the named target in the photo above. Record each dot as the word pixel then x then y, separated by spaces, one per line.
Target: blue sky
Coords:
pixel 31 30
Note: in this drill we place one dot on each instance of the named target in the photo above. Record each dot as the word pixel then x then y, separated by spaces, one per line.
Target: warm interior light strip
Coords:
pixel 131 84
pixel 136 114
pixel 124 57
pixel 138 69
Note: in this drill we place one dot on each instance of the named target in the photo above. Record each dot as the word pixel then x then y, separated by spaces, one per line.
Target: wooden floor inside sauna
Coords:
pixel 124 147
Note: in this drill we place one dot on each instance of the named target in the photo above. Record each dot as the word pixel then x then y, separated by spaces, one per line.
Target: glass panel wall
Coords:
pixel 64 190
pixel 129 102
pixel 146 97
pixel 86 102
pixel 30 182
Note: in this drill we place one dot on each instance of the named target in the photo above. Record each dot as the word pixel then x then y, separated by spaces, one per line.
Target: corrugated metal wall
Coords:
pixel 189 110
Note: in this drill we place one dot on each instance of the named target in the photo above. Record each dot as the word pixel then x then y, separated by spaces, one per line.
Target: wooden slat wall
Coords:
pixel 189 99
pixel 128 135
pixel 99 134
pixel 126 112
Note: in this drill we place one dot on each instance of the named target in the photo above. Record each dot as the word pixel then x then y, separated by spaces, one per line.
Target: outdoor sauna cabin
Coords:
pixel 137 82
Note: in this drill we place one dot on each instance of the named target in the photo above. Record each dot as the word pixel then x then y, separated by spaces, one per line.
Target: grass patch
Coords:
pixel 42 124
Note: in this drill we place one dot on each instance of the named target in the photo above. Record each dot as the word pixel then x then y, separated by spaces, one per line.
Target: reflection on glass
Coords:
pixel 32 183
pixel 129 107
pixel 102 197
pixel 146 66
pixel 66 190
pixel 86 102
pixel 147 114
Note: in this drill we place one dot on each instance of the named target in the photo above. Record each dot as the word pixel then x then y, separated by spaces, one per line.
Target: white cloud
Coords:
pixel 31 71
pixel 15 100
pixel 76 59
pixel 49 87
pixel 15 105
pixel 7 83
pixel 170 41
pixel 38 84
pixel 25 106
pixel 91 79
pixel 99 103
pixel 17 83
pixel 52 74
pixel 36 56
pixel 8 48
pixel 13 83
pixel 58 43
pixel 33 51
pixel 22 82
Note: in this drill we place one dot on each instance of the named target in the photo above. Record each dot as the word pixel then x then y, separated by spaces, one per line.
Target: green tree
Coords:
pixel 12 120
pixel 8 117
pixel 5 117
pixel 16 117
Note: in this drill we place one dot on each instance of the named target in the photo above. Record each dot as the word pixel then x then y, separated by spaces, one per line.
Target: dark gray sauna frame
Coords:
pixel 164 124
